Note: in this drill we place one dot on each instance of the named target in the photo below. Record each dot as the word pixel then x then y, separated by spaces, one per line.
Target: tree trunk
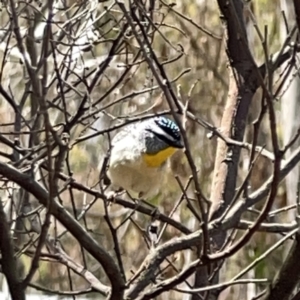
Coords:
pixel 290 105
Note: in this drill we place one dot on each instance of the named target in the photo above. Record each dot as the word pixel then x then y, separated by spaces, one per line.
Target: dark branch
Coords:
pixel 8 261
pixel 58 211
pixel 288 276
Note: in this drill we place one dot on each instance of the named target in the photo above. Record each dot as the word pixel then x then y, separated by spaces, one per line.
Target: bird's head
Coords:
pixel 164 140
pixel 167 131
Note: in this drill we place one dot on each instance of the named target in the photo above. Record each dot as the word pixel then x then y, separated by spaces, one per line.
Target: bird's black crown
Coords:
pixel 168 126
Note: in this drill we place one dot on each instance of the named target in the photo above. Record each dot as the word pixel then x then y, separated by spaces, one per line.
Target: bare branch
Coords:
pixel 8 261
pixel 106 261
pixel 288 276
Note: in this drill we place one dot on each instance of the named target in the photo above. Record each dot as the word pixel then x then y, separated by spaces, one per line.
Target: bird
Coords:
pixel 139 153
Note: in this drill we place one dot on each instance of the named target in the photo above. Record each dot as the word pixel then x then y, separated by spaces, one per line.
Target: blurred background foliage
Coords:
pixel 199 76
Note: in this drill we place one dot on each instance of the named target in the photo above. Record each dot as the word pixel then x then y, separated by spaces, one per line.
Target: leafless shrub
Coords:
pixel 72 74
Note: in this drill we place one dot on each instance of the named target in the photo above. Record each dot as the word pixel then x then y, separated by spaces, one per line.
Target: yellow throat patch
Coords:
pixel 156 160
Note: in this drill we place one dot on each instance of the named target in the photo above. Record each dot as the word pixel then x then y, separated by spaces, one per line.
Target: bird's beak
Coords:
pixel 179 144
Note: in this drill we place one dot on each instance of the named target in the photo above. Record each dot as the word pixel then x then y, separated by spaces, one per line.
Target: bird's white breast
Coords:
pixel 127 169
